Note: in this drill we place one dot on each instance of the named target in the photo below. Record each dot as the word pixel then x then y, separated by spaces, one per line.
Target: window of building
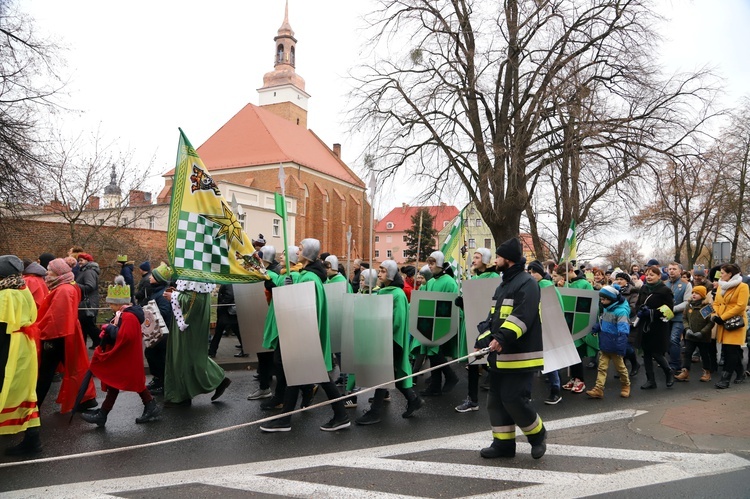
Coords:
pixel 404 255
pixel 241 219
pixel 389 253
pixel 405 238
pixel 479 222
pixel 389 225
pixel 472 243
pixel 377 253
pixel 445 223
pixel 377 239
pixel 276 230
pixel 488 243
pixel 152 223
pixel 124 222
pixel 101 221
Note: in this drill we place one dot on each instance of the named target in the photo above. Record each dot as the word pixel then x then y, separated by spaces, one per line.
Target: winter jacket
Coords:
pixel 515 322
pixel 614 327
pixel 681 292
pixel 143 291
pixel 653 330
pixel 88 281
pixel 693 320
pixel 226 297
pixel 731 300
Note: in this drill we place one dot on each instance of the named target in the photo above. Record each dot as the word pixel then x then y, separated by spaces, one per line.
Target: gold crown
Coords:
pixel 118 294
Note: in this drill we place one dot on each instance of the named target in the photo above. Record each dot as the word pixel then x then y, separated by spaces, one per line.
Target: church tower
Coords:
pixel 283 91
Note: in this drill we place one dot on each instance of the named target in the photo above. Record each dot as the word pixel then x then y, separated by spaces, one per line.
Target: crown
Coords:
pixel 119 293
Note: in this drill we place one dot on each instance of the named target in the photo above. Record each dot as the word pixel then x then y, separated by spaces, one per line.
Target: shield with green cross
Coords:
pixel 433 317
pixel 580 307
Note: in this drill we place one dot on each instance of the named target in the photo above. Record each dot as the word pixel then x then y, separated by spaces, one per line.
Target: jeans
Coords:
pixel 675 348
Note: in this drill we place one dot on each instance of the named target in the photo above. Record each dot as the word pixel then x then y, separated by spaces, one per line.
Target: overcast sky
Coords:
pixel 138 70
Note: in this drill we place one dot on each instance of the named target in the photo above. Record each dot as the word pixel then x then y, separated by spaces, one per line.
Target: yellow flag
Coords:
pixel 205 241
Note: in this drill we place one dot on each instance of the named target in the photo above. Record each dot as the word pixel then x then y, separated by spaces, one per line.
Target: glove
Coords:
pixel 288 281
pixel 596 328
pixel 460 302
pixel 718 320
pixel 688 332
pixel 643 312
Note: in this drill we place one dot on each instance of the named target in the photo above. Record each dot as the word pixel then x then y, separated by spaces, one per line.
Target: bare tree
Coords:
pixel 490 94
pixel 28 83
pixel 624 254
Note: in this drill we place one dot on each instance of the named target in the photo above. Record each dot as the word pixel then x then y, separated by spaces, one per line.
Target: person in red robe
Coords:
pixel 34 275
pixel 62 340
pixel 118 360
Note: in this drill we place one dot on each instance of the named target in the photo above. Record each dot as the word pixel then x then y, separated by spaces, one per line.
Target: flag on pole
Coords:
pixel 205 241
pixel 571 244
pixel 451 247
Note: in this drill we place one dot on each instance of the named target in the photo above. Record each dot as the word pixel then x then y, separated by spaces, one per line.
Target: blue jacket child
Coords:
pixel 614 321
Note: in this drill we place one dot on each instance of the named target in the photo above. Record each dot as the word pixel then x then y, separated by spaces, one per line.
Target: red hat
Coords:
pixel 86 257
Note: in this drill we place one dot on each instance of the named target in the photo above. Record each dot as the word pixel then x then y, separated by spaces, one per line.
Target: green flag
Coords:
pixel 571 244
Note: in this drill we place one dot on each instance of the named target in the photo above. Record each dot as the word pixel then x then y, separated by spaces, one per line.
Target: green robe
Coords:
pixel 341 278
pixel 189 370
pixel 443 284
pixel 322 311
pixel 270 329
pixel 401 339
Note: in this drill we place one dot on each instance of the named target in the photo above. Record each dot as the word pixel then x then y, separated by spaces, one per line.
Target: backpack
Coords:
pixel 153 327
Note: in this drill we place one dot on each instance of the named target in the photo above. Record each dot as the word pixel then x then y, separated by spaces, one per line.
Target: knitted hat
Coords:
pixel 86 257
pixel 409 270
pixel 45 258
pixel 651 262
pixel 10 265
pixel 260 242
pixel 145 266
pixel 510 250
pixel 700 290
pixel 58 267
pixel 610 292
pixel 118 294
pixel 163 273
pixel 622 275
pixel 536 267
pixel 486 255
pixel 121 258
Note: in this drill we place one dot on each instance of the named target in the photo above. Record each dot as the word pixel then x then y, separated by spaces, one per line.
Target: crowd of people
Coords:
pixel 660 318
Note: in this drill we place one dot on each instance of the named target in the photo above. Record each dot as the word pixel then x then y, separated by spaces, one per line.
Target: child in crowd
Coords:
pixel 613 329
pixel 697 334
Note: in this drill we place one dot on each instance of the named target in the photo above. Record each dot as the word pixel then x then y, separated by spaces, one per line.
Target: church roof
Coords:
pixel 255 136
pixel 401 217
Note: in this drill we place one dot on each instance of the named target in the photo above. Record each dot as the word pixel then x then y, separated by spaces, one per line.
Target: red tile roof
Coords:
pixel 401 217
pixel 255 136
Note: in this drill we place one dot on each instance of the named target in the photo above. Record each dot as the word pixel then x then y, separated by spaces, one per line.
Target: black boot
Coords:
pixel 538 445
pixel 724 382
pixel 151 411
pixel 436 379
pixel 413 403
pixel 650 383
pixel 499 448
pixel 670 377
pixel 373 415
pixel 99 417
pixel 31 444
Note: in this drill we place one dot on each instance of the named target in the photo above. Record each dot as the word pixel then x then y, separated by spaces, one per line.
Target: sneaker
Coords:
pixel 369 417
pixel 272 404
pixel 387 397
pixel 260 393
pixel 467 406
pixel 336 425
pixel 350 403
pixel 277 425
pixel 578 386
pixel 553 399
pixel 151 412
pixel 569 384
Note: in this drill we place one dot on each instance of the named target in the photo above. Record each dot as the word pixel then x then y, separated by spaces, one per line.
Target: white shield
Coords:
pixel 373 340
pixel 335 292
pixel 559 350
pixel 350 304
pixel 297 319
pixel 252 308
pixel 477 295
pixel 433 317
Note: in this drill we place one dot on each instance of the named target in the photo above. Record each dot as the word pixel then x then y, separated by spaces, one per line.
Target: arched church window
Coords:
pixel 280 54
pixel 292 52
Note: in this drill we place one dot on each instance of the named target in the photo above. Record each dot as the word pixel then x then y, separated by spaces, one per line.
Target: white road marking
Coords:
pixel 664 467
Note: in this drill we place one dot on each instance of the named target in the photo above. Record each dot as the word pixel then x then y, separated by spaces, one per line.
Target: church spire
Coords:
pixel 283 90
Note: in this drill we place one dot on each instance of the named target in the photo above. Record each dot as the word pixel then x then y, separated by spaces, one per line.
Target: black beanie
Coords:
pixel 510 250
pixel 537 267
pixel 409 270
pixel 145 266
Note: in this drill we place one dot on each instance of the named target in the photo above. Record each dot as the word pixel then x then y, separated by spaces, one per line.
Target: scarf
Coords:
pixel 732 283
pixel 14 281
pixel 651 287
pixel 53 282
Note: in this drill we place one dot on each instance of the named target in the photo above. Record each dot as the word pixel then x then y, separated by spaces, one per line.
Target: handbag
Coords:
pixel 736 322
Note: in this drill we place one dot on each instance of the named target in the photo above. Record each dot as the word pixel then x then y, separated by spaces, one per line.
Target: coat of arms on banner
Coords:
pixel 580 307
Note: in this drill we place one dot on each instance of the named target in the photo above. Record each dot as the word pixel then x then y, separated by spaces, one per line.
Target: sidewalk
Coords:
pixel 226 359
pixel 715 420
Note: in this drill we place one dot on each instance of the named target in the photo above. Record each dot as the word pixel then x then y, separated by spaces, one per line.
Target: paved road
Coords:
pixel 689 441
